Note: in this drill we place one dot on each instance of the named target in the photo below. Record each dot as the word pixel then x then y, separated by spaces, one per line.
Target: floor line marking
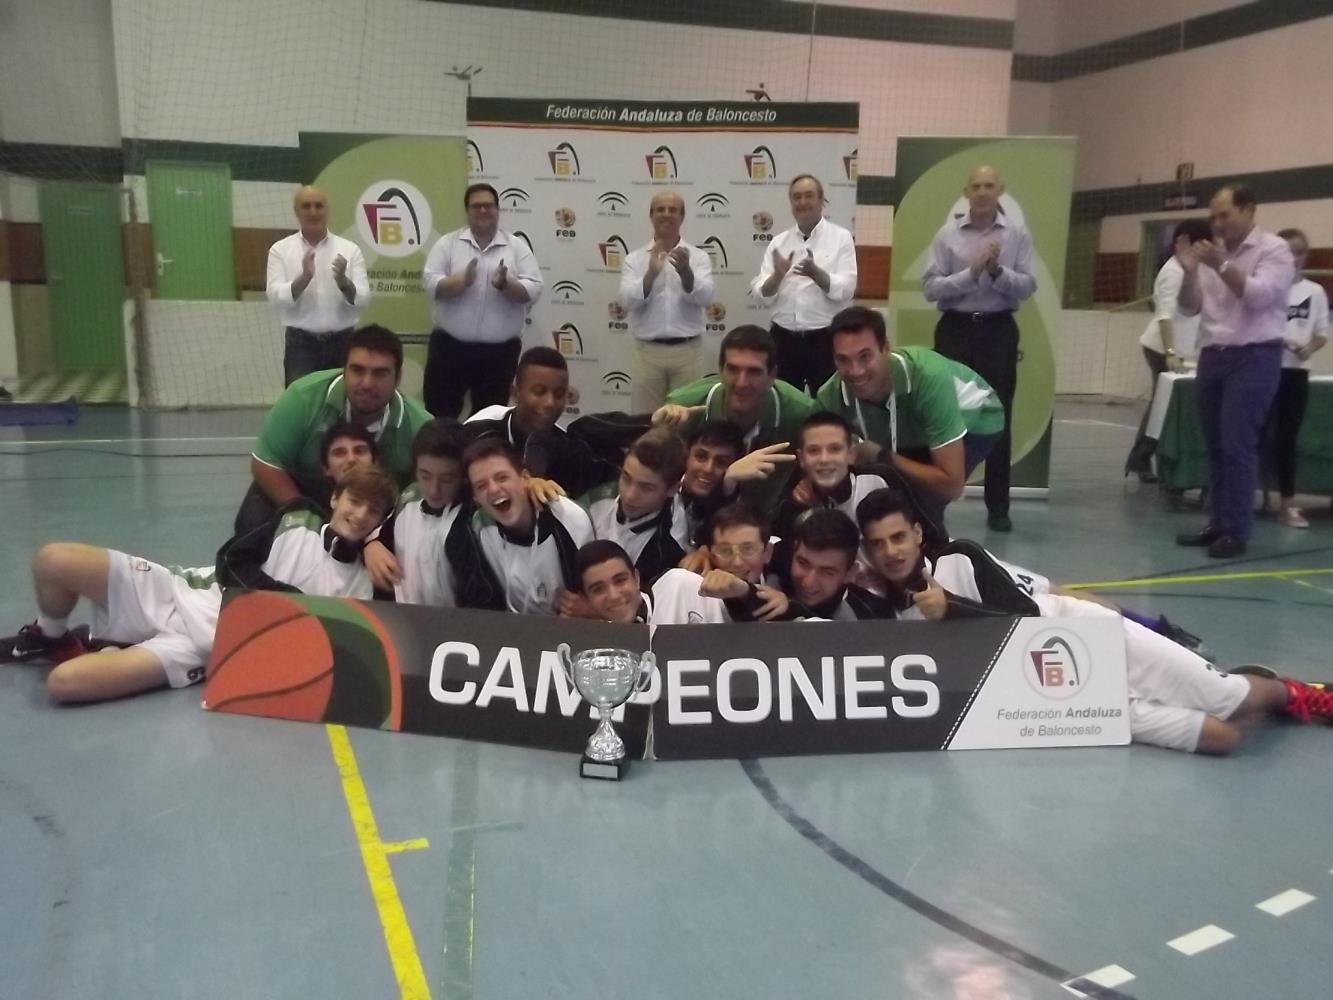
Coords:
pixel 48 442
pixel 894 890
pixel 1095 983
pixel 1201 940
pixel 1284 902
pixel 1272 574
pixel 1312 586
pixel 1097 423
pixel 398 846
pixel 397 934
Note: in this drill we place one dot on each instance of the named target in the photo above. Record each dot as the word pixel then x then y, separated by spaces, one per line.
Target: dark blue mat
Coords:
pixel 32 414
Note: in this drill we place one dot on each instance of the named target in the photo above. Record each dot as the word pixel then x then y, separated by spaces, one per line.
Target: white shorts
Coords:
pixel 1171 690
pixel 141 610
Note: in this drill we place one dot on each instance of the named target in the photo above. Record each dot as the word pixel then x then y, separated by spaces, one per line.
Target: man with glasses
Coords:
pixel 481 281
pixel 317 282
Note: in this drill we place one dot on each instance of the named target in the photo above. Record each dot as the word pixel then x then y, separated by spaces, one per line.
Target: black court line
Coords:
pixel 923 907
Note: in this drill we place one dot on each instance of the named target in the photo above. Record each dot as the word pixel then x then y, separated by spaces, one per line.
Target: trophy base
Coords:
pixel 607 770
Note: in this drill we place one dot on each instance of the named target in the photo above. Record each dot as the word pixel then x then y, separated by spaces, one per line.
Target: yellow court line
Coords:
pixel 374 855
pixel 398 846
pixel 1279 574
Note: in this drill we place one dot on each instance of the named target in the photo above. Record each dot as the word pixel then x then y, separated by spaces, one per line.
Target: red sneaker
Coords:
pixel 1306 701
pixel 32 643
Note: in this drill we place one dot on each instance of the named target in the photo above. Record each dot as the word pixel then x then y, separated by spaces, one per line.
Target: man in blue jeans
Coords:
pixel 1238 284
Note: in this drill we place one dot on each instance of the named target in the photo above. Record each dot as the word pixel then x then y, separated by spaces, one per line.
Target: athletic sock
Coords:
pixel 1150 622
pixel 52 628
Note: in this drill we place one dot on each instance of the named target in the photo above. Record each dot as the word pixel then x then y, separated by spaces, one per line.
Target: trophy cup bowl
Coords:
pixel 606 678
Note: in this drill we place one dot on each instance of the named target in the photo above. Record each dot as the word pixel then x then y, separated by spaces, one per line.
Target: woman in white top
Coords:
pixel 1307 331
pixel 1168 342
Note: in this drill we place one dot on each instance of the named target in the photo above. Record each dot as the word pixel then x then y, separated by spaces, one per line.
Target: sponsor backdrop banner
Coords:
pixel 576 176
pixel 803 688
pixel 394 196
pixel 1038 174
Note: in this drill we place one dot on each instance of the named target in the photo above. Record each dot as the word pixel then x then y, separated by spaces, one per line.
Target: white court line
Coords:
pixel 1108 978
pixel 1099 423
pixel 134 440
pixel 1201 940
pixel 1284 902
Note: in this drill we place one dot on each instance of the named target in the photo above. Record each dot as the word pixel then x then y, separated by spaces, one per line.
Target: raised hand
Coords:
pixel 308 264
pixel 932 602
pixel 674 416
pixel 722 585
pixel 760 463
pixel 339 268
pixel 781 264
pixel 501 277
pixel 680 260
pixel 470 272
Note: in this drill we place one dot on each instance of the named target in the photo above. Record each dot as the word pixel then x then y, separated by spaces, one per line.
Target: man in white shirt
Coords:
pixel 1169 341
pixel 807 274
pixel 317 282
pixel 1307 332
pixel 481 281
pixel 665 286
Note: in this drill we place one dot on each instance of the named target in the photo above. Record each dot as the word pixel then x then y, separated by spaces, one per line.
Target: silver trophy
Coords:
pixel 606 678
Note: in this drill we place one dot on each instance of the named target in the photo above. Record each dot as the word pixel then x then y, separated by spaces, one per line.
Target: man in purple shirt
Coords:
pixel 980 271
pixel 1238 285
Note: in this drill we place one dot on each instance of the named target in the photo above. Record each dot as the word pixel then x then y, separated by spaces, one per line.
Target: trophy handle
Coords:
pixel 647 664
pixel 563 651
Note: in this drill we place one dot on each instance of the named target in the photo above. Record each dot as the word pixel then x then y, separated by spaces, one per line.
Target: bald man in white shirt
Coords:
pixel 317 283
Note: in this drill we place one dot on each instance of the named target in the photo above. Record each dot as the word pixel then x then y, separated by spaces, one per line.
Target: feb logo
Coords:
pixel 568 340
pixel 717 253
pixel 661 164
pixel 393 217
pixel 613 251
pixel 1057 664
pixel 760 165
pixel 564 160
pixel 715 316
pixel 617 314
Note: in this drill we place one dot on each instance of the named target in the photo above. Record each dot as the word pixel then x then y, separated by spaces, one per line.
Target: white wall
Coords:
pixel 245 72
pixel 57 72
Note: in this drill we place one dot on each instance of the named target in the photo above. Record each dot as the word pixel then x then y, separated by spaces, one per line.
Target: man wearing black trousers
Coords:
pixel 481 281
pixel 979 273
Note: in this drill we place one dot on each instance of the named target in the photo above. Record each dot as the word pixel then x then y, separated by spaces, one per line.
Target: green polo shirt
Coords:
pixel 784 410
pixel 937 400
pixel 290 437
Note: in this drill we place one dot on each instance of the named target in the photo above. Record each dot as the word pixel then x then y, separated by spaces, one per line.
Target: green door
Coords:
pixel 85 275
pixel 189 205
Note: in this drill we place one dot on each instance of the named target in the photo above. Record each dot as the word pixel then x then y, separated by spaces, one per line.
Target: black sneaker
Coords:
pixel 1183 638
pixel 33 644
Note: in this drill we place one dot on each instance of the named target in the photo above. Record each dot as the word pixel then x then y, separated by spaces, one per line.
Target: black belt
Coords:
pixel 671 341
pixel 1242 347
pixel 980 317
pixel 318 333
pixel 802 333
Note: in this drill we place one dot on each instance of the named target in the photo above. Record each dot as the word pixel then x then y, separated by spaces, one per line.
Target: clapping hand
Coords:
pixel 501 277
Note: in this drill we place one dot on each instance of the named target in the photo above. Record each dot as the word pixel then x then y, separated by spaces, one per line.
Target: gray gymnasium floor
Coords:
pixel 150 850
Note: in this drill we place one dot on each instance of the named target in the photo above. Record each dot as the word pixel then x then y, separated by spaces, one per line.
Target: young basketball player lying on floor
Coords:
pixel 164 617
pixel 1176 698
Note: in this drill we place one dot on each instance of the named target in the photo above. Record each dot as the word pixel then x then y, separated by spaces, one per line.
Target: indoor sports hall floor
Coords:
pixel 154 851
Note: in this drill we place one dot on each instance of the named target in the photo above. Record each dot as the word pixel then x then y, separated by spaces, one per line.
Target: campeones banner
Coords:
pixel 576 177
pixel 780 689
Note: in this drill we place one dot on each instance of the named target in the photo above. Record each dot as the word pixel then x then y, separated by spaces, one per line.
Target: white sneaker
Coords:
pixel 1292 517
